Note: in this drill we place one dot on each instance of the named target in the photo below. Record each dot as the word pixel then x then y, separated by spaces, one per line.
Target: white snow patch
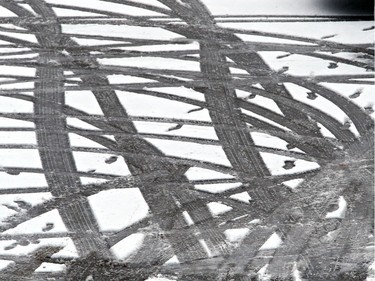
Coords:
pixel 340 212
pixel 125 79
pixel 275 164
pixel 144 105
pixel 152 63
pixel 83 100
pixel 236 235
pixel 4 263
pixel 181 92
pixel 88 180
pixel 51 267
pixel 261 101
pixel 36 225
pixel 293 184
pixel 12 105
pixel 242 197
pixel 194 131
pixel 80 141
pixel 299 93
pixel 273 242
pixel 127 246
pixel 120 31
pixel 217 208
pixel 22 36
pixel 17 138
pixel 75 122
pixel 88 161
pixel 22 158
pixel 116 209
pixel 260 117
pixel 194 46
pixel 23 180
pixel 187 218
pixel 190 150
pixel 217 187
pixel 196 173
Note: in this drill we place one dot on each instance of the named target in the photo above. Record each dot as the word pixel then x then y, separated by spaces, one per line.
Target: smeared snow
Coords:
pixel 88 180
pixel 116 209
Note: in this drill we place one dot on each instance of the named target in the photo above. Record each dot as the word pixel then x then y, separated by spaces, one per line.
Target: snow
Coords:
pixel 17 138
pixel 60 12
pixel 260 117
pixel 23 180
pixel 205 247
pixel 349 32
pixel 180 91
pixel 293 184
pixel 89 161
pixel 95 42
pixel 217 187
pixel 299 93
pixel 261 101
pixel 236 235
pixel 273 242
pixel 297 65
pixel 77 123
pixel 144 105
pixel 190 150
pixel 37 224
pixel 17 86
pixel 264 39
pixel 242 197
pixel 172 260
pixel 26 158
pixel 6 13
pixel 218 209
pixel 275 164
pixel 84 101
pixel 366 97
pixel 271 7
pixel 51 267
pixel 116 209
pixel 12 105
pixel 340 212
pixel 17 70
pixel 196 173
pixel 79 141
pixel 22 36
pixel 194 131
pixel 29 198
pixel 152 63
pixel 120 31
pixel 125 79
pixel 5 263
pixel 165 47
pixel 187 218
pixel 127 246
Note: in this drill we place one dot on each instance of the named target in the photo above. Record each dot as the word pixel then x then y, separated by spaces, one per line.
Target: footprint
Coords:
pixel 311 96
pixel 289 164
pixel 356 94
pixel 48 227
pixel 111 160
pixel 333 65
